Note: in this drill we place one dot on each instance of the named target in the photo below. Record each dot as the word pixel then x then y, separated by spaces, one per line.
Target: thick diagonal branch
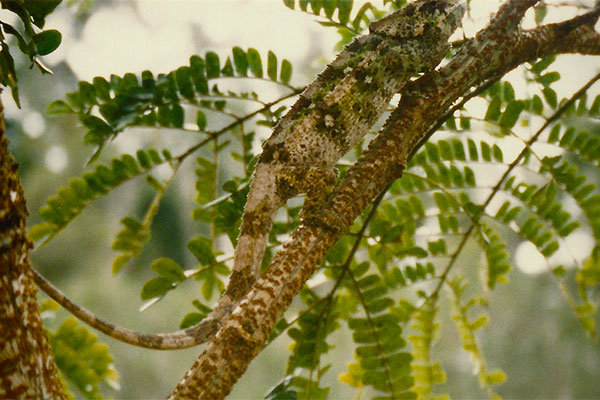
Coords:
pixel 493 52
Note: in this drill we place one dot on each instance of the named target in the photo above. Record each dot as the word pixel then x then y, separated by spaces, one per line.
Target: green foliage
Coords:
pixel 70 200
pixel 30 40
pixel 589 275
pixel 82 360
pixel 425 372
pixel 498 264
pixel 467 328
pixel 209 269
pixel 123 102
pixel 439 191
pixel 107 107
pixel 193 318
pixel 304 369
pixel 337 14
pixel 381 362
pixel 171 275
pixel 131 238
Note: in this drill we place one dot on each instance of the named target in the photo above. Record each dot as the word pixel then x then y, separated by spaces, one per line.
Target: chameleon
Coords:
pixel 330 116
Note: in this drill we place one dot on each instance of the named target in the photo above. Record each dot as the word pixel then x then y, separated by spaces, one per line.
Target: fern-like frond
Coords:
pixel 106 107
pixel 310 343
pixel 381 362
pixel 70 200
pixel 498 263
pixel 425 373
pixel 338 13
pixel 131 238
pixel 467 328
pixel 82 360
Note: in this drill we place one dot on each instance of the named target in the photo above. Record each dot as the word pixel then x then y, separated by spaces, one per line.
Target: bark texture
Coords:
pixel 492 53
pixel 27 367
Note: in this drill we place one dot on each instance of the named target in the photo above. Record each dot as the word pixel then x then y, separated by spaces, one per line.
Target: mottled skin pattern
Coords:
pixel 331 116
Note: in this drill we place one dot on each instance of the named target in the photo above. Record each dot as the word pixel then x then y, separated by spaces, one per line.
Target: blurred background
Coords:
pixel 533 335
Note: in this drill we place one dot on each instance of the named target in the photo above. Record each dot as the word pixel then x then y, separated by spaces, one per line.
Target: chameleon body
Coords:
pixel 330 116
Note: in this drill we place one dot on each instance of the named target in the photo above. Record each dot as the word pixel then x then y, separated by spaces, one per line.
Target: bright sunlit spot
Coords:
pixel 580 244
pixel 529 259
pixel 34 125
pixel 56 158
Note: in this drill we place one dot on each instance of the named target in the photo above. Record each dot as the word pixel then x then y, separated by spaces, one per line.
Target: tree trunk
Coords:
pixel 27 367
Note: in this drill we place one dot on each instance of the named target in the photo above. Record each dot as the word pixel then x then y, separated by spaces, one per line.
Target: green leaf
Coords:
pixel 286 71
pixel 156 287
pixel 329 8
pixel 227 68
pixel 191 319
pixel 536 105
pixel 213 65
pixel 184 82
pixel 197 69
pixel 495 377
pixel 554 133
pixel 8 76
pixel 497 153
pixel 202 250
pixel 98 125
pixel 445 150
pixel 59 107
pixel 102 88
pixel 201 120
pixel 549 78
pixel 541 65
pixel 272 66
pixel 240 60
pixel 479 323
pixel 511 114
pixel 255 62
pixel 40 231
pixel 177 115
pixel 493 111
pixel 595 107
pixel 163 116
pixel 208 286
pixel 129 241
pixel 40 9
pixel 87 93
pixel 47 41
pixel 169 269
pixel 282 391
pixel 550 96
pixel 508 93
pixel 344 10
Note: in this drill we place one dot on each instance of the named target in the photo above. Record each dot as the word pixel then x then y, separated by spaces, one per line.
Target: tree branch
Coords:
pixel 493 52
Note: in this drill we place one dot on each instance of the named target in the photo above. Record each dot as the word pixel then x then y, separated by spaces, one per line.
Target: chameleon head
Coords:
pixel 421 17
